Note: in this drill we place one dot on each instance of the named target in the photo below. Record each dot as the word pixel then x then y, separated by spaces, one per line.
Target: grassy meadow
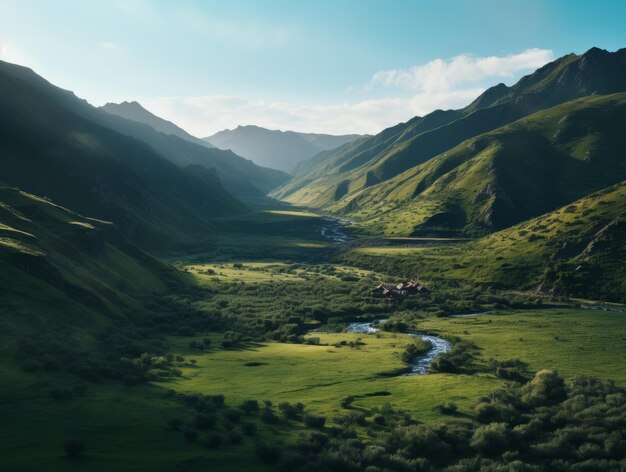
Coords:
pixel 278 300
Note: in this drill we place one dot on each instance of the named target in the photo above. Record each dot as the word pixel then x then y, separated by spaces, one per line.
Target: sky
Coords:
pixel 341 66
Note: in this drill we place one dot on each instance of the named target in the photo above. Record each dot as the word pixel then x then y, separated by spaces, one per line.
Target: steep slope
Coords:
pixel 276 149
pixel 577 250
pixel 63 271
pixel 240 176
pixel 500 178
pixel 348 170
pixel 135 112
pixel 50 150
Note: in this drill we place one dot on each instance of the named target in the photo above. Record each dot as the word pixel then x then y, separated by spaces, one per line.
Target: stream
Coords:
pixel 419 365
pixel 333 228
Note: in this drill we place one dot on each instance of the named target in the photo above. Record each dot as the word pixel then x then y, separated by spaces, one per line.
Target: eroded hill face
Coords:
pixel 338 177
pixel 65 271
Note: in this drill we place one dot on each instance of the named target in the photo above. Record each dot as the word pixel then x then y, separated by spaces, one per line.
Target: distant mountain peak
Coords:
pixel 276 148
pixel 133 110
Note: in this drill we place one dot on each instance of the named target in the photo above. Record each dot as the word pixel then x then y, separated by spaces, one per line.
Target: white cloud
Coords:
pixel 439 84
pixel 205 115
pixel 441 75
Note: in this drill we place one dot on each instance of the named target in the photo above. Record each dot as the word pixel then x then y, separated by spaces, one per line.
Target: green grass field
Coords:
pixel 574 342
pixel 281 274
pixel 320 375
pixel 123 428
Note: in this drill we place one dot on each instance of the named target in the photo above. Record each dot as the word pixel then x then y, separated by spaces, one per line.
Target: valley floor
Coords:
pixel 283 277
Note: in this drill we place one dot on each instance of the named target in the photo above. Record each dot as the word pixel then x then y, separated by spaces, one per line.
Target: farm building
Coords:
pixel 412 287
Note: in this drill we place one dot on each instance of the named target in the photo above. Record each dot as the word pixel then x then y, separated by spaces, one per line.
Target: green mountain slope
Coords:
pixel 239 175
pixel 577 250
pixel 66 273
pixel 330 177
pixel 276 149
pixel 50 150
pixel 500 178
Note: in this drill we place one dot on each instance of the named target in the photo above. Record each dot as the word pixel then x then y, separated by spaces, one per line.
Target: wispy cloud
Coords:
pixel 205 115
pixel 242 33
pixel 109 46
pixel 438 84
pixel 443 75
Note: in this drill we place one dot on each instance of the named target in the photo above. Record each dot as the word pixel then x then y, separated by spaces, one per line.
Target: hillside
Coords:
pixel 66 273
pixel 135 112
pixel 49 149
pixel 343 173
pixel 577 250
pixel 503 177
pixel 276 149
pixel 239 175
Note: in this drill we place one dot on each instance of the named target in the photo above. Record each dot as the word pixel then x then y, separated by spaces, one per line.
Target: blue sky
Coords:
pixel 325 66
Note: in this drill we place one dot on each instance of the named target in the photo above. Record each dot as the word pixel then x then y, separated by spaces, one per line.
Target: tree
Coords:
pixel 268 453
pixel 546 388
pixel 490 439
pixel 74 448
pixel 314 421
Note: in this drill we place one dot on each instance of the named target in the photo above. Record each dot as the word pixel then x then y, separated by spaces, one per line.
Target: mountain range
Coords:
pixel 442 173
pixel 135 112
pixel 276 149
pixel 56 145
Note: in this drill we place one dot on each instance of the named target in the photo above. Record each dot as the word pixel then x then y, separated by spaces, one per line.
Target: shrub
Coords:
pixel 268 416
pixel 232 415
pixel 175 424
pixel 214 441
pixel 218 400
pixel 418 347
pixel 74 448
pixel 546 388
pixel 314 421
pixel 291 411
pixel 235 438
pixel 490 439
pixel 379 420
pixel 249 406
pixel 249 428
pixel 190 435
pixel 447 408
pixel 204 421
pixel 268 453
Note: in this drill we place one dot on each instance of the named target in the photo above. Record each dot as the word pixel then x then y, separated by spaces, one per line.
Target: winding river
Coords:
pixel 419 365
pixel 334 228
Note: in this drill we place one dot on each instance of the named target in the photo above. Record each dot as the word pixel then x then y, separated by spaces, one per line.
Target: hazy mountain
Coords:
pixel 50 148
pixel 240 176
pixel 134 111
pixel 341 174
pixel 276 149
